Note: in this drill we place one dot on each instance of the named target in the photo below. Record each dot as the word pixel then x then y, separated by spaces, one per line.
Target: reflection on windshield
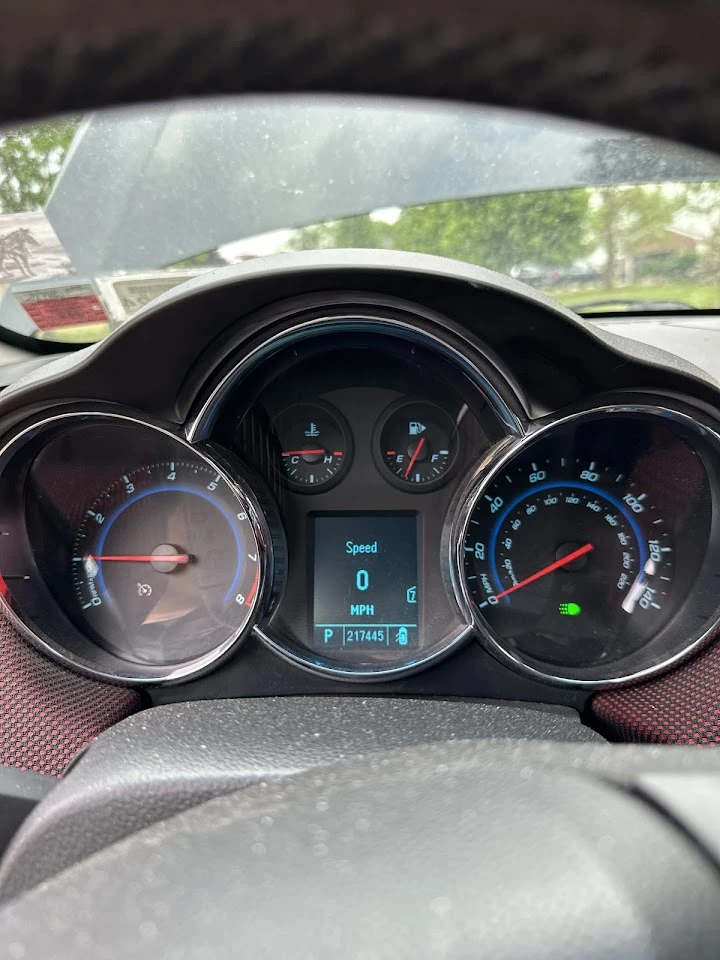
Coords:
pixel 100 215
pixel 625 247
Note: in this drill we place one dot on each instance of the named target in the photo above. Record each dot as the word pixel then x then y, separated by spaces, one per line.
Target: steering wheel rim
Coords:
pixel 648 65
pixel 445 850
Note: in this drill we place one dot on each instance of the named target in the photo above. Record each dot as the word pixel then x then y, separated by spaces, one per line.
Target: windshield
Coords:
pixel 101 214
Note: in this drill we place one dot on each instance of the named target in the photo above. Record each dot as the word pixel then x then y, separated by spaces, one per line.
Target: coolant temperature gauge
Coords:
pixel 316 445
pixel 416 445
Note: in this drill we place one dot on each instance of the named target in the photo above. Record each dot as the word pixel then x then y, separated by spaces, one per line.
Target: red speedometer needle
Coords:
pixel 300 453
pixel 414 457
pixel 149 558
pixel 580 552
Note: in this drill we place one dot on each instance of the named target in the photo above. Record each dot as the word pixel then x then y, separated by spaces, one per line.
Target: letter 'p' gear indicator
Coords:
pixel 365 590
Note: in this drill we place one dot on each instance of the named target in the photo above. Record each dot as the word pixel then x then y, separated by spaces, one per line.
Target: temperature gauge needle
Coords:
pixel 300 453
pixel 580 552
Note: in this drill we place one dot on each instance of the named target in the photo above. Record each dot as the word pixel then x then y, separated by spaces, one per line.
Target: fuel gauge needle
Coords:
pixel 414 457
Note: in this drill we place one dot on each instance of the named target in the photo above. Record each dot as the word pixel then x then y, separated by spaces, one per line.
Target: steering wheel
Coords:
pixel 444 843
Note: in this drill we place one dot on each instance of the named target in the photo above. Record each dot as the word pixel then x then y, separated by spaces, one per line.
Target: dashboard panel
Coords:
pixel 384 475
pixel 363 429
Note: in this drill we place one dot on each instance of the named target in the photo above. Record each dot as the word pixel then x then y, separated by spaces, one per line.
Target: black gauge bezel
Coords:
pixel 68 644
pixel 301 318
pixel 692 625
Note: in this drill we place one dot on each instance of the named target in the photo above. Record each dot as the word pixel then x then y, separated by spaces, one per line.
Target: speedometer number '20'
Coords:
pixel 567 561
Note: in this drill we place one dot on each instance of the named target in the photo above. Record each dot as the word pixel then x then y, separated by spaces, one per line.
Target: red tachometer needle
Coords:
pixel 158 557
pixel 414 457
pixel 300 453
pixel 580 552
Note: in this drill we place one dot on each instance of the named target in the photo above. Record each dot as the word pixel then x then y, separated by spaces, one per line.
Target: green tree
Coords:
pixel 708 269
pixel 352 232
pixel 496 232
pixel 704 198
pixel 30 160
pixel 624 218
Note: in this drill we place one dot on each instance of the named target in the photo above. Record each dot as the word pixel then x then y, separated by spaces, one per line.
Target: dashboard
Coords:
pixel 362 473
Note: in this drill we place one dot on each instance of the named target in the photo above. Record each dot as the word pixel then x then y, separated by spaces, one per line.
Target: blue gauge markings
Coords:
pixel 558 485
pixel 174 488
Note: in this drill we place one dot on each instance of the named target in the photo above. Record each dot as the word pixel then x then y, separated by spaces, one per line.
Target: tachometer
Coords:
pixel 165 562
pixel 129 553
pixel 569 551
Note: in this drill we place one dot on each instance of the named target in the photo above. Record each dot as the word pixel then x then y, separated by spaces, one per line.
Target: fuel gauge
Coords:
pixel 316 445
pixel 416 445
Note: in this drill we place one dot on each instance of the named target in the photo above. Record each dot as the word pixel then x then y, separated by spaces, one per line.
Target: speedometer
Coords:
pixel 561 555
pixel 578 551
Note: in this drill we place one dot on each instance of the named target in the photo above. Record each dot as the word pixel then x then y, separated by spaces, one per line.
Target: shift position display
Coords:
pixel 365 589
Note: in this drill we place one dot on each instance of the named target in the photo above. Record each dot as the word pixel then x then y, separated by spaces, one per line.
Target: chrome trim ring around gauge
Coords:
pixel 175 672
pixel 466 502
pixel 360 321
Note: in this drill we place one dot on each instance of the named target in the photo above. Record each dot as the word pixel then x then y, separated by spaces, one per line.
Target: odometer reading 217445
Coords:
pixel 568 559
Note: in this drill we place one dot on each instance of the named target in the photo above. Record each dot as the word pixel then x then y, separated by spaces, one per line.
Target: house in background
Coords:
pixel 670 254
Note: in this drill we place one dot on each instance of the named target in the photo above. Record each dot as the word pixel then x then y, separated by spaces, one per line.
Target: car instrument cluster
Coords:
pixel 361 498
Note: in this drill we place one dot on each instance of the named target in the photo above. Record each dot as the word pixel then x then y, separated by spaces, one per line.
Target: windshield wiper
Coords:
pixel 631 305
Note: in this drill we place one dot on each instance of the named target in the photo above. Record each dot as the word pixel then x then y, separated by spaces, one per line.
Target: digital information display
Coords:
pixel 365 589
